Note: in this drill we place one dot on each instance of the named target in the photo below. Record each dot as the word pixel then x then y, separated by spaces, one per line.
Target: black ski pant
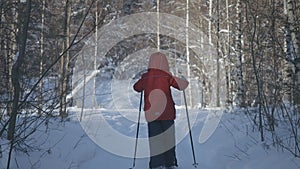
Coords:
pixel 161 135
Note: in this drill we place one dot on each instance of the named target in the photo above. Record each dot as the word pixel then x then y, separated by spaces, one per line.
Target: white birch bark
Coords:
pixel 158 25
pixel 293 46
pixel 239 66
pixel 188 53
pixel 40 97
pixel 208 93
pixel 218 56
pixel 227 62
pixel 94 104
pixel 295 38
pixel 65 61
pixel 12 48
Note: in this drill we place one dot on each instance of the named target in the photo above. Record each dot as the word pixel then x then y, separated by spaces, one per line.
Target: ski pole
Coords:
pixel 137 131
pixel 190 131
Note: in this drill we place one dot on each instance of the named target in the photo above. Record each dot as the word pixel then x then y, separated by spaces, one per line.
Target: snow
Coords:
pixel 68 145
pixel 105 138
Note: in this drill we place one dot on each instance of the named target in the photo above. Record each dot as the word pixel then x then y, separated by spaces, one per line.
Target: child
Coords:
pixel 160 110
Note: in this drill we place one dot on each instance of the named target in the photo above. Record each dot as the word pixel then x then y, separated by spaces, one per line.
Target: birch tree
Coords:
pixel 64 63
pixel 239 55
pixel 40 95
pixel 8 32
pixel 16 71
pixel 293 45
pixel 227 47
pixel 218 56
pixel 210 33
pixel 8 49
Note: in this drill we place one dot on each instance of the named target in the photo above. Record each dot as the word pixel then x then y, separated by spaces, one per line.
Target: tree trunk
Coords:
pixel 293 48
pixel 257 75
pixel 293 23
pixel 239 63
pixel 275 78
pixel 209 38
pixel 228 66
pixel 40 96
pixel 64 66
pixel 9 46
pixel 218 56
pixel 297 84
pixel 22 34
pixel 158 24
pixel 187 47
pixel 288 67
pixel 16 73
pixel 97 15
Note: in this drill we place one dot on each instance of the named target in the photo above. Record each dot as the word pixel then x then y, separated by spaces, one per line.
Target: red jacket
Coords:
pixel 156 83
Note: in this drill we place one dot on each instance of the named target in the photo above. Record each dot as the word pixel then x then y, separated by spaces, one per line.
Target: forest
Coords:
pixel 238 54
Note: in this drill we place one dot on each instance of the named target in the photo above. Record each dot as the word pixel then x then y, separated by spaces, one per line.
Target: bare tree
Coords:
pixel 293 45
pixel 40 95
pixel 16 73
pixel 65 60
pixel 227 60
pixel 239 55
pixel 218 57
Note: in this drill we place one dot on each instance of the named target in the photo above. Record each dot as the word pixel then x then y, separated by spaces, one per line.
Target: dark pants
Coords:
pixel 161 135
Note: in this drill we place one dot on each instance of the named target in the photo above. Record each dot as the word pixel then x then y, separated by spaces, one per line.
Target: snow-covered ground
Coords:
pixel 72 145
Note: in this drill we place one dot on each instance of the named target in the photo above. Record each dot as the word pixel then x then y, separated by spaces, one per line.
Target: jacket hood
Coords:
pixel 158 61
